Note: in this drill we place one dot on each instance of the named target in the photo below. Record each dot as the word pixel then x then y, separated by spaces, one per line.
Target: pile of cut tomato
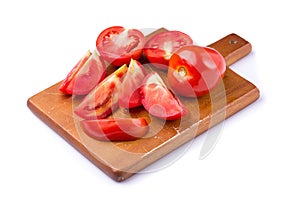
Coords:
pixel 191 71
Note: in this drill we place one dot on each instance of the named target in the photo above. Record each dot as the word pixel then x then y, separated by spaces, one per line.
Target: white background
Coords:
pixel 258 153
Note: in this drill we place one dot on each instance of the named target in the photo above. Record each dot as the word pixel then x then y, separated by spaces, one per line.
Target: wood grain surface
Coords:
pixel 120 160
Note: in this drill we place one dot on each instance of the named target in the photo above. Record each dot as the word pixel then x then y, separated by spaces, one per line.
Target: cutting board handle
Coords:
pixel 232 47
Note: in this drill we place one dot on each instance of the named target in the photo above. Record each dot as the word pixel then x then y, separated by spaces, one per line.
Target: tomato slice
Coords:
pixel 115 129
pixel 160 47
pixel 194 71
pixel 103 99
pixel 86 74
pixel 129 95
pixel 159 101
pixel 118 45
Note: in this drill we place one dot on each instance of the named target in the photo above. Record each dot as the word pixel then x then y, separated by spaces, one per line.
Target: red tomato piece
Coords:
pixel 129 95
pixel 118 45
pixel 115 129
pixel 103 99
pixel 160 47
pixel 159 101
pixel 195 71
pixel 86 74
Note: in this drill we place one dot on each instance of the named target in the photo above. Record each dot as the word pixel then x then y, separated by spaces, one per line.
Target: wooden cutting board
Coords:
pixel 120 160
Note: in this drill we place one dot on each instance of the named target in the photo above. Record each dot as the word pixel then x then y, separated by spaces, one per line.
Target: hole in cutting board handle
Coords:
pixel 232 47
pixel 233 41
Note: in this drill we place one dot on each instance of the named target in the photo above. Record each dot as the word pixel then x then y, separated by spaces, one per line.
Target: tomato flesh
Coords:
pixel 160 47
pixel 86 74
pixel 103 99
pixel 115 129
pixel 194 71
pixel 129 95
pixel 118 45
pixel 159 101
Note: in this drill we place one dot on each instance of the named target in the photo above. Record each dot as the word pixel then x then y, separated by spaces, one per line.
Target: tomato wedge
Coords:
pixel 115 129
pixel 86 74
pixel 118 45
pixel 160 47
pixel 194 70
pixel 159 101
pixel 103 99
pixel 129 95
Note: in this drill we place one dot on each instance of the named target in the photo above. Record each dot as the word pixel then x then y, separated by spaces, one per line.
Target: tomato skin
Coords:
pixel 65 84
pixel 194 71
pixel 129 95
pixel 160 47
pixel 115 129
pixel 103 99
pixel 85 75
pixel 112 44
pixel 159 101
